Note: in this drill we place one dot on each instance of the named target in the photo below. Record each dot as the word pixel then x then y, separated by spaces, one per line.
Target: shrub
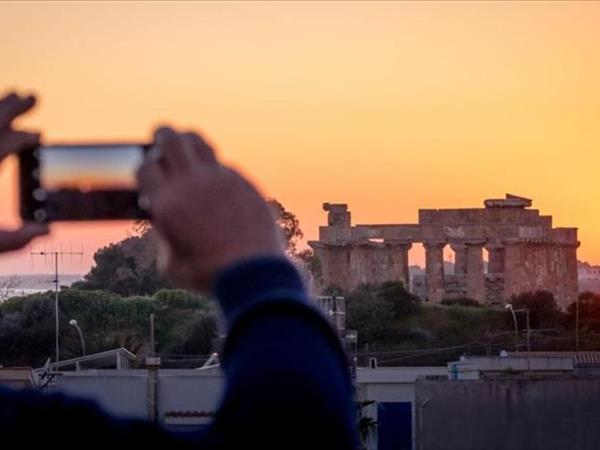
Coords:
pixel 543 312
pixel 463 301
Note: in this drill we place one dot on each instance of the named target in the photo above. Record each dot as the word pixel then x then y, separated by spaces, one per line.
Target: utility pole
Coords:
pixel 152 343
pixel 528 340
pixel 577 324
pixel 56 282
pixel 152 364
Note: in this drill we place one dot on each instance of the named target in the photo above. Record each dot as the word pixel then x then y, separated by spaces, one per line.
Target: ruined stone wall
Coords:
pixel 375 264
pixel 525 252
pixel 455 287
pixel 494 289
pixel 542 266
pixel 350 266
pixel 335 266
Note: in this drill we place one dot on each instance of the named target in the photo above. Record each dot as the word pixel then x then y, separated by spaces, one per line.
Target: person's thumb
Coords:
pixel 14 240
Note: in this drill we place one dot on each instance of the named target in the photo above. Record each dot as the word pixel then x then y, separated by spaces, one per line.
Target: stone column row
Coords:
pixel 475 275
pixel 468 263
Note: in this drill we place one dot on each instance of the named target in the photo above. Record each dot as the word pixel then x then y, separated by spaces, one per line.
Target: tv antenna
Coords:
pixel 56 282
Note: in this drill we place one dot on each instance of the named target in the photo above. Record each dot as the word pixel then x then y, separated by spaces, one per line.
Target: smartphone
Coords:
pixel 81 182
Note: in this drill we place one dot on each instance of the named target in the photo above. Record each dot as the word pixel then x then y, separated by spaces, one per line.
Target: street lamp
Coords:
pixel 352 339
pixel 509 307
pixel 74 323
pixel 514 312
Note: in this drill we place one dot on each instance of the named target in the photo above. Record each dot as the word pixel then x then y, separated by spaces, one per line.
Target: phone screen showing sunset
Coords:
pixel 89 168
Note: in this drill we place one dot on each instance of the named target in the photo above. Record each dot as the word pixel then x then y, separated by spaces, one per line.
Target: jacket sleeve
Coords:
pixel 287 379
pixel 38 420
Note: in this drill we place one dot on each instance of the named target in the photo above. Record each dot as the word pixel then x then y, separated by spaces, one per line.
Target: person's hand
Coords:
pixel 208 215
pixel 13 141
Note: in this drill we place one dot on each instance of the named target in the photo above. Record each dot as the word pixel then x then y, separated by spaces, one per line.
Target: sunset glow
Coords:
pixel 88 168
pixel 389 107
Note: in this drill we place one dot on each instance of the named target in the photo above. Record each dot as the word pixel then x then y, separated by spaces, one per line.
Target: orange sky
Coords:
pixel 389 107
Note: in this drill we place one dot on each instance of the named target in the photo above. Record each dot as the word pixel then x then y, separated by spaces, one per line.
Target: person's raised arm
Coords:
pixel 287 383
pixel 57 415
pixel 13 141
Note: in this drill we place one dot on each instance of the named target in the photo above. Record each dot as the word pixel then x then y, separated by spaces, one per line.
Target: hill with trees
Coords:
pixel 114 301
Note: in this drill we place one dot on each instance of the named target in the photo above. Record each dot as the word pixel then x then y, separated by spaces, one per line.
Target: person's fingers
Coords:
pixel 12 106
pixel 7 103
pixel 14 141
pixel 172 153
pixel 14 240
pixel 198 147
pixel 151 177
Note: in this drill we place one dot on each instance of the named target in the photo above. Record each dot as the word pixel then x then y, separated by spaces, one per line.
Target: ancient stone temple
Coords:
pixel 525 252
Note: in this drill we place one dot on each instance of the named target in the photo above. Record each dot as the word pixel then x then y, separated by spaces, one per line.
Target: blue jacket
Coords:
pixel 287 384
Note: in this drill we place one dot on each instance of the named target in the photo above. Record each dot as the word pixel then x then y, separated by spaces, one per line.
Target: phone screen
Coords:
pixel 88 168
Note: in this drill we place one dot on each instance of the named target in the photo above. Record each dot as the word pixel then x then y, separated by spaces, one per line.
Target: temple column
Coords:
pixel 496 258
pixel 475 275
pixel 460 257
pixel 495 277
pixel 403 249
pixel 434 270
pixel 395 267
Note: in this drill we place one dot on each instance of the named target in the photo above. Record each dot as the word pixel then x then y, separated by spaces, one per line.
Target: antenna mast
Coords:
pixel 56 282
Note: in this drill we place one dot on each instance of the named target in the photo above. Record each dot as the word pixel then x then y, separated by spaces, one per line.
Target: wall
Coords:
pixel 188 390
pixel 124 393
pixel 542 267
pixel 509 414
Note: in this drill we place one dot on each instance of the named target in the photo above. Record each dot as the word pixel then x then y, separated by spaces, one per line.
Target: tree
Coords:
pixel 589 311
pixel 7 286
pixel 373 310
pixel 403 303
pixel 129 267
pixel 311 265
pixel 126 268
pixel 365 423
pixel 543 311
pixel 289 223
pixel 370 316
pixel 184 323
pixel 26 330
pixel 198 337
pixel 305 260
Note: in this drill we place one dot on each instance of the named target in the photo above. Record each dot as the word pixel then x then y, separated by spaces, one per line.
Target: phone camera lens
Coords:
pixel 40 215
pixel 144 202
pixel 40 194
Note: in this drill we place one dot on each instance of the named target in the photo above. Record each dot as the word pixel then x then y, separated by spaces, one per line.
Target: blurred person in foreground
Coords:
pixel 286 380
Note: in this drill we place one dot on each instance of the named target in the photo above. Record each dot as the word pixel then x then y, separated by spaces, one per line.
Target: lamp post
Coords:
pixel 74 323
pixel 514 312
pixel 514 316
pixel 577 324
pixel 352 339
